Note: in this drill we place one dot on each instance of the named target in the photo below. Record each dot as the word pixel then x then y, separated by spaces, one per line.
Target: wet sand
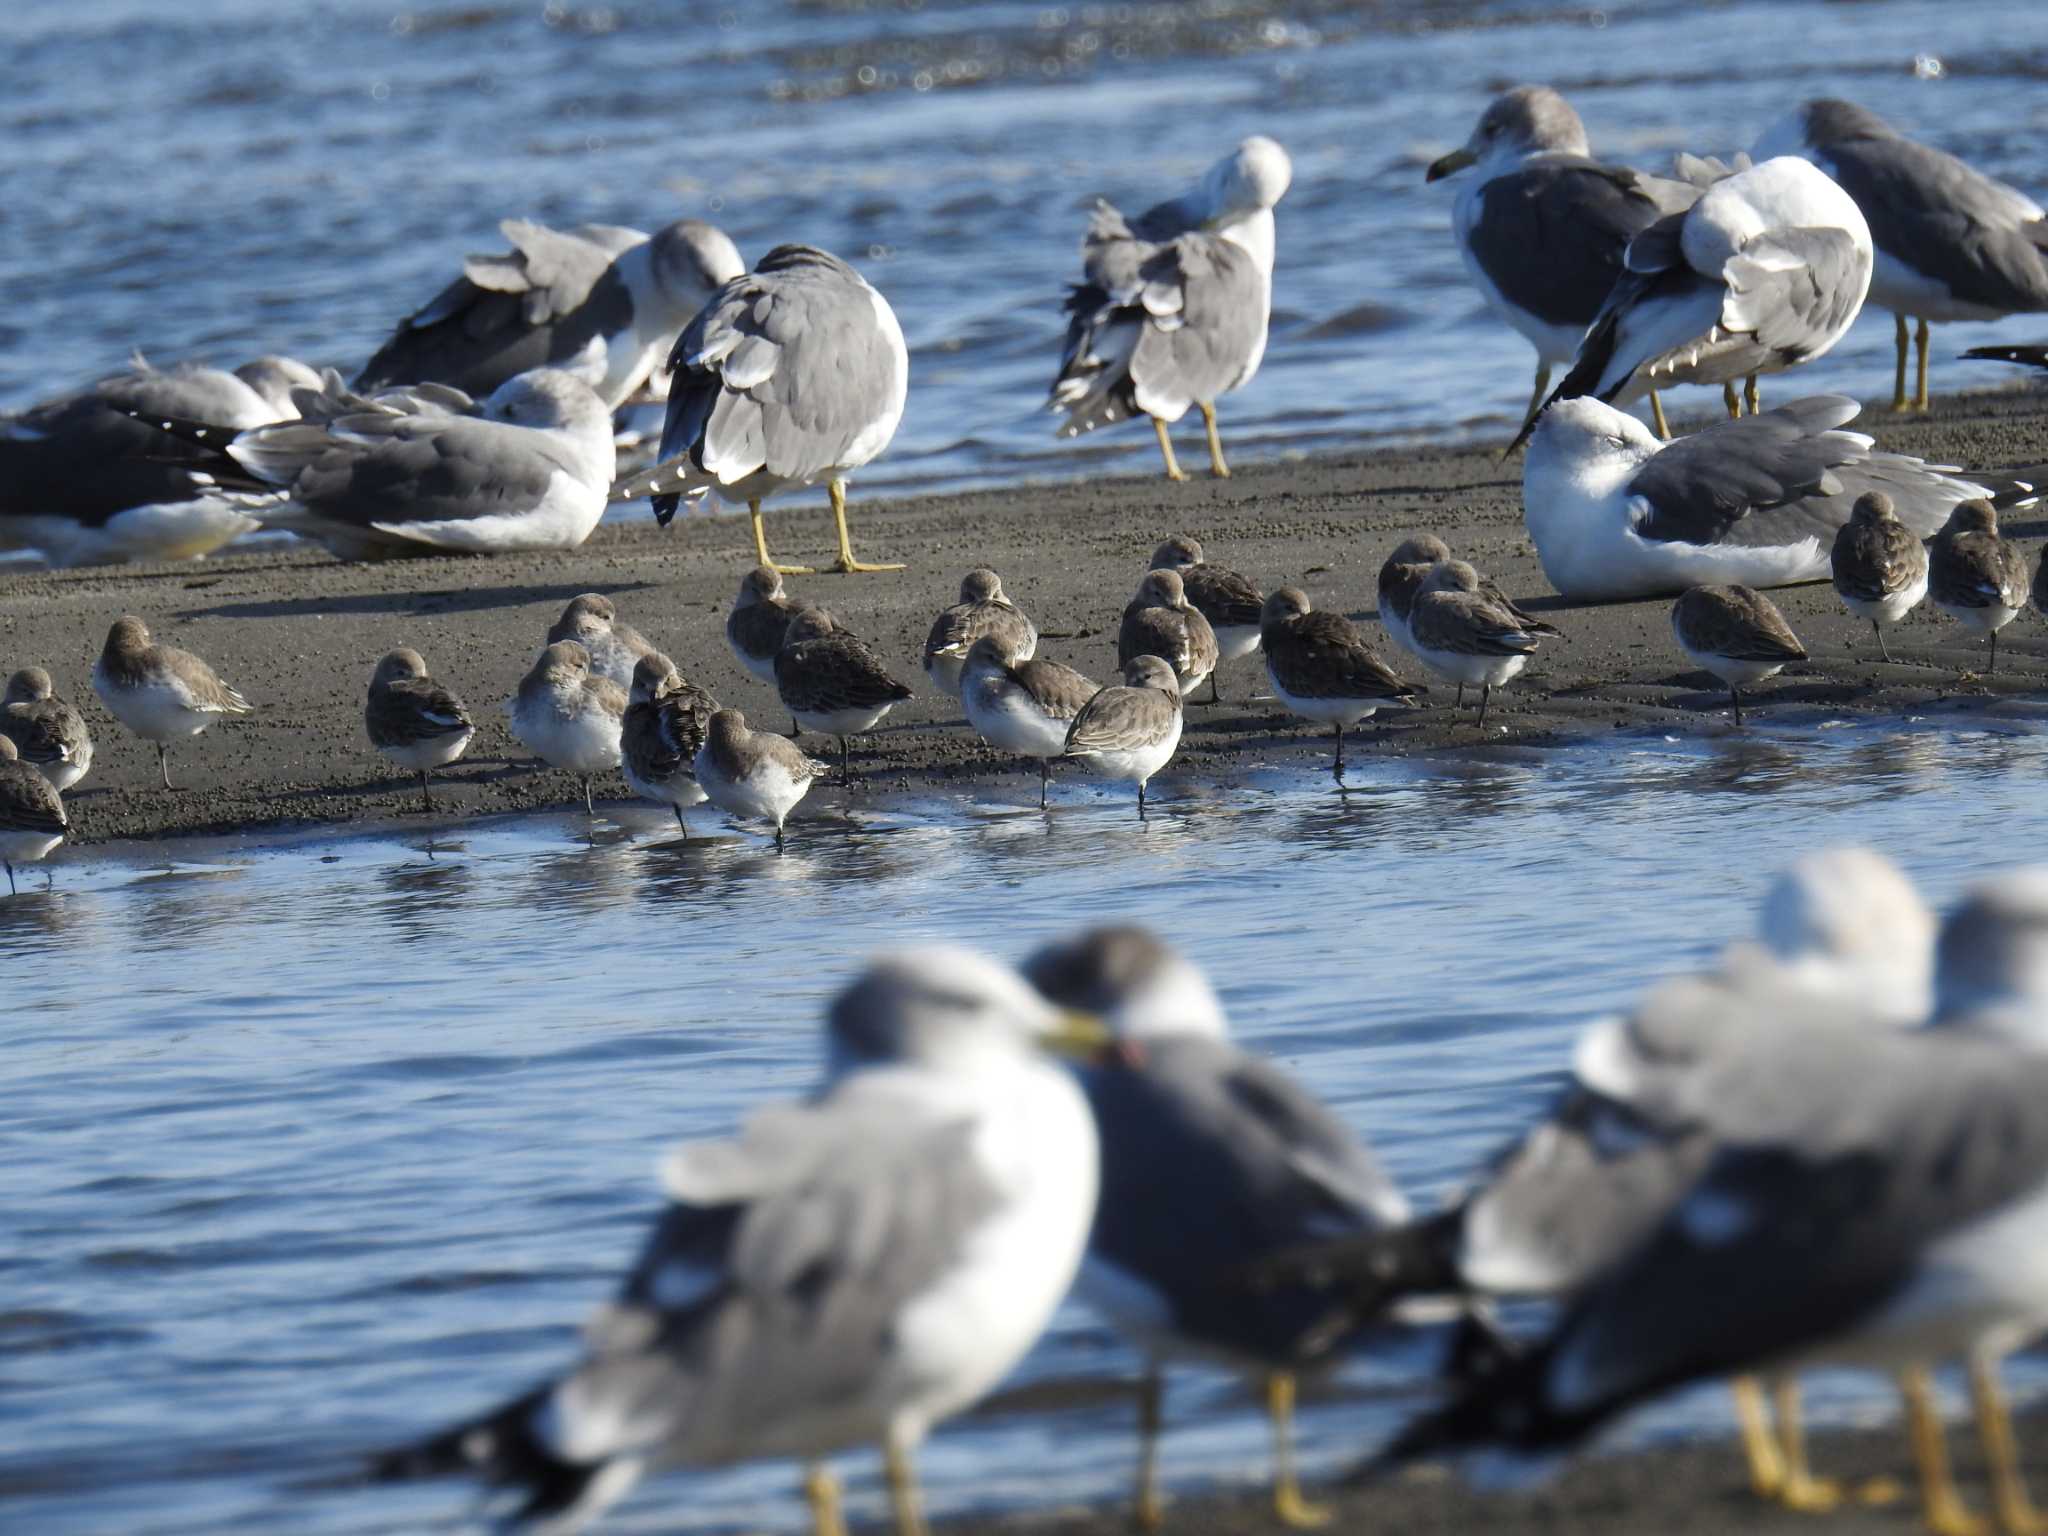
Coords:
pixel 298 633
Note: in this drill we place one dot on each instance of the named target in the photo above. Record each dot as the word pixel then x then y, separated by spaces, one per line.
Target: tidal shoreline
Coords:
pixel 298 633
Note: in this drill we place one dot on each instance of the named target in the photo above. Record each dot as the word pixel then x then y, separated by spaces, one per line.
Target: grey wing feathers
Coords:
pixel 31 803
pixel 1700 488
pixel 1120 719
pixel 1225 598
pixel 835 671
pixel 1550 236
pixel 1793 290
pixel 391 471
pixel 43 730
pixel 1057 689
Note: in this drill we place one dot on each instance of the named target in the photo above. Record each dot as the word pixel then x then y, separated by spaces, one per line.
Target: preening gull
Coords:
pixel 1952 244
pixel 1888 1210
pixel 849 1270
pixel 1173 306
pixel 425 470
pixel 85 484
pixel 1211 1159
pixel 793 373
pixel 1767 270
pixel 603 302
pixel 1615 513
pixel 1542 224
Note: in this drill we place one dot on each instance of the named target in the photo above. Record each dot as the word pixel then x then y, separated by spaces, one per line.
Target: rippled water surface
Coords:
pixel 231 178
pixel 307 1149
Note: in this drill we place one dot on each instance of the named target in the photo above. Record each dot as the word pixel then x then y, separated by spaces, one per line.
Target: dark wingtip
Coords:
pixel 665 508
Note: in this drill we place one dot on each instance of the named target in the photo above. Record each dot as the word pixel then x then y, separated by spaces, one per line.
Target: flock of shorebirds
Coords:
pixel 1828 1149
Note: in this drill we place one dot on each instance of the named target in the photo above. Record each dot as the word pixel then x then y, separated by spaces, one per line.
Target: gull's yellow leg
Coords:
pixel 1173 469
pixel 1752 397
pixel 2016 1512
pixel 1657 417
pixel 846 564
pixel 904 1499
pixel 1148 1510
pixel 1759 1445
pixel 761 546
pixel 821 1492
pixel 1920 370
pixel 1899 369
pixel 1731 400
pixel 1217 467
pixel 1941 1506
pixel 1802 1491
pixel 1292 1509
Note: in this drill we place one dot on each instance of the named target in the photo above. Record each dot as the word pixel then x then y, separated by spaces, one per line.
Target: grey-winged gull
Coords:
pixel 1635 1126
pixel 793 373
pixel 1542 224
pixel 1952 244
pixel 602 301
pixel 1173 305
pixel 1211 1160
pixel 1888 1210
pixel 32 818
pixel 412 720
pixel 48 732
pixel 1615 513
pixel 161 693
pixel 850 1270
pixel 84 483
pixel 426 470
pixel 1766 271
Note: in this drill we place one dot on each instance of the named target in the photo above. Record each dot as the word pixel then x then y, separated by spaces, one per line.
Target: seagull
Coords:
pixel 1230 602
pixel 1022 704
pixel 1173 306
pixel 793 373
pixel 425 470
pixel 1951 243
pixel 831 681
pixel 1542 225
pixel 85 483
pixel 848 1270
pixel 604 302
pixel 616 650
pixel 568 716
pixel 1321 668
pixel 753 774
pixel 1884 1210
pixel 661 733
pixel 1879 567
pixel 48 733
pixel 1211 1159
pixel 1736 633
pixel 1974 576
pixel 1614 513
pixel 414 721
pixel 1160 621
pixel 1462 634
pixel 984 609
pixel 158 691
pixel 32 819
pixel 1766 271
pixel 1130 730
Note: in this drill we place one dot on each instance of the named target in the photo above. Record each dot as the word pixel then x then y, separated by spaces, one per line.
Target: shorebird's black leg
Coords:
pixel 426 794
pixel 10 877
pixel 1485 698
pixel 1044 780
pixel 163 763
pixel 1735 694
pixel 1882 649
pixel 682 823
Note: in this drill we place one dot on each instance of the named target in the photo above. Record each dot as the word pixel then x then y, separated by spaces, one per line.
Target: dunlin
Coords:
pixel 159 692
pixel 568 715
pixel 1023 706
pixel 48 733
pixel 414 721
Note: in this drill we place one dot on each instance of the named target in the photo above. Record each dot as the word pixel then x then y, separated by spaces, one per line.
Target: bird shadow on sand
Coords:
pixel 442 600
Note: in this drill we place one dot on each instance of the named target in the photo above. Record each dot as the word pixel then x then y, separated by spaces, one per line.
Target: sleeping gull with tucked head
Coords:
pixel 793 373
pixel 604 302
pixel 1766 271
pixel 1173 306
pixel 1615 513
pixel 85 483
pixel 849 1270
pixel 1542 224
pixel 1952 244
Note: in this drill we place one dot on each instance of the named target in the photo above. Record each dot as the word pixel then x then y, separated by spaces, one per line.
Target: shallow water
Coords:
pixel 242 177
pixel 307 1149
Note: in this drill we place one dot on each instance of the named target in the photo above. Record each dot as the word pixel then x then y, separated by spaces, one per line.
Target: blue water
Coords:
pixel 306 1149
pixel 239 177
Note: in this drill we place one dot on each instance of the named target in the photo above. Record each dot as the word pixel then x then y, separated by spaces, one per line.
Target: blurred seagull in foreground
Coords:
pixel 1766 271
pixel 1951 243
pixel 1173 306
pixel 849 1270
pixel 604 302
pixel 1542 224
pixel 794 373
